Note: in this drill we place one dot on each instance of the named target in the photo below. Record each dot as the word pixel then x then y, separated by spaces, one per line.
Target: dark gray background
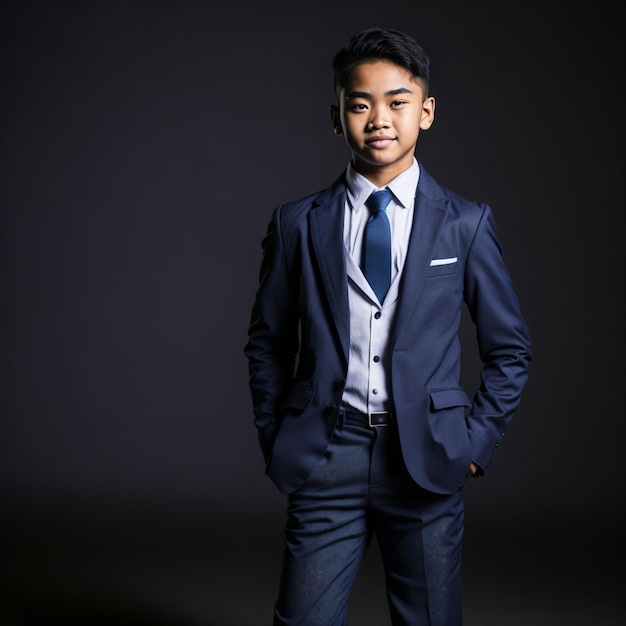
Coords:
pixel 144 145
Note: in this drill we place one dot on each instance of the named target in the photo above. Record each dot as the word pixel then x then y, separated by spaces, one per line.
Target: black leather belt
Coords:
pixel 371 420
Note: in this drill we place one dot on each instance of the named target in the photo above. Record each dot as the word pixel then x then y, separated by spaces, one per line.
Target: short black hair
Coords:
pixel 375 44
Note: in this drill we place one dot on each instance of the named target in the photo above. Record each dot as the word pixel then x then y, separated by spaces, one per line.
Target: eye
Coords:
pixel 358 107
pixel 397 103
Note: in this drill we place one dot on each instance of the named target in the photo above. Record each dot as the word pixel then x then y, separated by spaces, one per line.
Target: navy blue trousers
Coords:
pixel 360 488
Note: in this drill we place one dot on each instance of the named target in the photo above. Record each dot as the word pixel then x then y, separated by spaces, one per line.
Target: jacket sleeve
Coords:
pixel 503 341
pixel 272 343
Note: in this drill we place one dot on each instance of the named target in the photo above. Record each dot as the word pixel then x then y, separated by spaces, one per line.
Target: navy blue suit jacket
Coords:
pixel 299 337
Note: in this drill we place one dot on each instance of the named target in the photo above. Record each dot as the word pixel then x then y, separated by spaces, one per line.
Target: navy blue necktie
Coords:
pixel 377 244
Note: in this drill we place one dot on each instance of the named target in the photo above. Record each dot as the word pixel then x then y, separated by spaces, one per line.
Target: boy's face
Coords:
pixel 381 112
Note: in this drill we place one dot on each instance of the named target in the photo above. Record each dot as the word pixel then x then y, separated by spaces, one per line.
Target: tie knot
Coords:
pixel 379 200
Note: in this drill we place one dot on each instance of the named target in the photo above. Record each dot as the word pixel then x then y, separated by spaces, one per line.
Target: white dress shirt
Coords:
pixel 368 381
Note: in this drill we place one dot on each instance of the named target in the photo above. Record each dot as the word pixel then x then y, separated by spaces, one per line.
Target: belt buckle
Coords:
pixel 381 421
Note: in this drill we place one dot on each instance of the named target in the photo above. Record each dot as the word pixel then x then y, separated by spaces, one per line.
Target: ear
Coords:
pixel 335 120
pixel 428 113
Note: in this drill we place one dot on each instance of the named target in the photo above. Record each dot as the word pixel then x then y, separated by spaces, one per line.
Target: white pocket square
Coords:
pixel 447 261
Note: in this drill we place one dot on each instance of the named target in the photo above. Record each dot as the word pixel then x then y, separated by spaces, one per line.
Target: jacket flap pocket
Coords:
pixel 447 398
pixel 298 397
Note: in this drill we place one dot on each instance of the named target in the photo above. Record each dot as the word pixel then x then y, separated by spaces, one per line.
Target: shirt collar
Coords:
pixel 402 186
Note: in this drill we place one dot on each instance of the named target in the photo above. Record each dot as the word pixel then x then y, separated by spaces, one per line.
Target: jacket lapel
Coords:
pixel 428 221
pixel 326 223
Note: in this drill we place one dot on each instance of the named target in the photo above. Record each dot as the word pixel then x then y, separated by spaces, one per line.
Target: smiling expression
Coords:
pixel 381 112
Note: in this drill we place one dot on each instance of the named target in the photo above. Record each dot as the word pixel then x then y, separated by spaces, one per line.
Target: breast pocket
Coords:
pixel 443 267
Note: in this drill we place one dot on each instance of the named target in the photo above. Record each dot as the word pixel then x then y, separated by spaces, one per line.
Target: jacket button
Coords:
pixel 341 383
pixel 331 408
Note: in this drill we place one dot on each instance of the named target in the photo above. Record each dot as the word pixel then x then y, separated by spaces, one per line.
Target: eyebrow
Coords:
pixel 368 96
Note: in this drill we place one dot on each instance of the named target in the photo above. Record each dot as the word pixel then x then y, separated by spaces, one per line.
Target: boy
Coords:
pixel 354 357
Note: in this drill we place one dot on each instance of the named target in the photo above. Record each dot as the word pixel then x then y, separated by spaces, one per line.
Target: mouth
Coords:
pixel 380 141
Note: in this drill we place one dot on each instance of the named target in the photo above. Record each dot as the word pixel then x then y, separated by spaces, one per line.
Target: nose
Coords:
pixel 379 118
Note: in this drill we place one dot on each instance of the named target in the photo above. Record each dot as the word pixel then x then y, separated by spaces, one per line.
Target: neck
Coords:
pixel 380 176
